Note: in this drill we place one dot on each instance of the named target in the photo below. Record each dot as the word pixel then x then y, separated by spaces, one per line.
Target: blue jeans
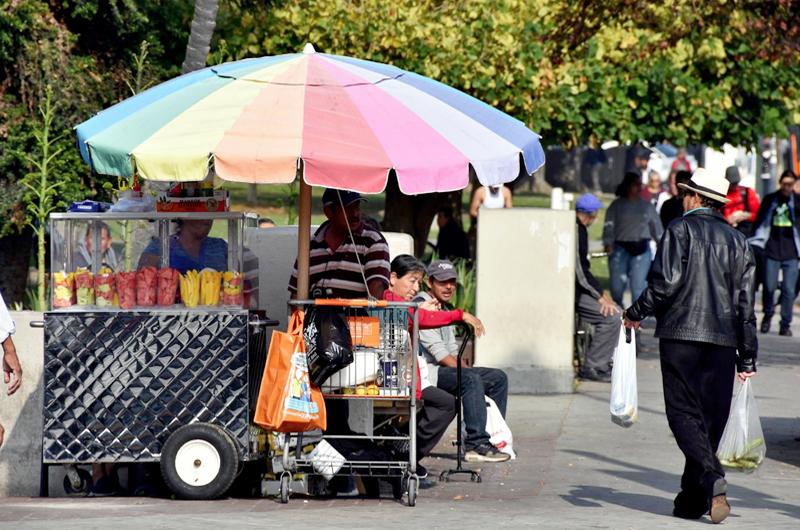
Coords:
pixel 475 383
pixel 788 286
pixel 622 267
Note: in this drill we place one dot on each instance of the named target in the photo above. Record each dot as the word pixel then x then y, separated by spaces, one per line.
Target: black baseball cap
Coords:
pixel 442 270
pixel 331 197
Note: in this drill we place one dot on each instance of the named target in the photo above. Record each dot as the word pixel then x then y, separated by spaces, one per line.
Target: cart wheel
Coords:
pixel 285 479
pixel 199 462
pixel 79 490
pixel 397 487
pixel 413 486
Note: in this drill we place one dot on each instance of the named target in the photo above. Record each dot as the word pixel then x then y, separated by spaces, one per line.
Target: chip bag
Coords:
pixel 63 289
pixel 84 287
pixel 232 288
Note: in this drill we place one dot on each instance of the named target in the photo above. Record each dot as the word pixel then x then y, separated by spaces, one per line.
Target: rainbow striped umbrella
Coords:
pixel 350 121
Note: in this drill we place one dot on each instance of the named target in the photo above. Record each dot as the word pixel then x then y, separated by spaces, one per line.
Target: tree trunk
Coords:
pixel 15 258
pixel 252 195
pixel 413 214
pixel 203 24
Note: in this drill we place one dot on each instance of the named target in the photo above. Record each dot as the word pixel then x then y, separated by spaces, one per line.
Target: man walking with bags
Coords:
pixel 701 293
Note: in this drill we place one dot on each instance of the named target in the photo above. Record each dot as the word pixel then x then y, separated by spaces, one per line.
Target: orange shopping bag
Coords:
pixel 286 400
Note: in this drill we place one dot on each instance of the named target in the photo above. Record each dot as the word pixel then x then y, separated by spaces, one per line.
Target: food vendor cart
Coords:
pixel 160 382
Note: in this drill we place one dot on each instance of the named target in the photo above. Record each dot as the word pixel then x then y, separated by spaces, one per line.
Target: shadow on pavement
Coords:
pixel 780 434
pixel 667 482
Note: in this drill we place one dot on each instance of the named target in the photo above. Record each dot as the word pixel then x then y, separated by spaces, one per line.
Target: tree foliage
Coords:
pixel 723 71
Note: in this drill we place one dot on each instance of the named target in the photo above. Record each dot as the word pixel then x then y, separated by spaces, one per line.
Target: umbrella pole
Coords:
pixel 303 239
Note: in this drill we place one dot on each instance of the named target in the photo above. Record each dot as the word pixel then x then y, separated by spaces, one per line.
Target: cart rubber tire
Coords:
pixel 413 486
pixel 397 487
pixel 199 462
pixel 83 489
pixel 285 480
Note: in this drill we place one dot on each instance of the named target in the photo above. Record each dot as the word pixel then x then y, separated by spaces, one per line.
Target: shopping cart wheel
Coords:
pixel 397 487
pixel 80 488
pixel 413 486
pixel 285 480
pixel 199 462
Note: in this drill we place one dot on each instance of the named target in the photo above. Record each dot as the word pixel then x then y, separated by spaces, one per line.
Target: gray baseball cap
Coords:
pixel 442 270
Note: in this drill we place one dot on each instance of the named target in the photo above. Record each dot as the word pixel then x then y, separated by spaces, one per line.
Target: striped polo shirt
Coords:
pixel 339 271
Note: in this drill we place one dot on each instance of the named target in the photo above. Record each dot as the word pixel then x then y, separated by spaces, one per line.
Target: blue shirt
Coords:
pixel 213 254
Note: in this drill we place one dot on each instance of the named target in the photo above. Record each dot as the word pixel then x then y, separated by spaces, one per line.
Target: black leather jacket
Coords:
pixel 702 285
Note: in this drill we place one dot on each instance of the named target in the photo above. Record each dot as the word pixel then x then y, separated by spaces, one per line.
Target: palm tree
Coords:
pixel 203 24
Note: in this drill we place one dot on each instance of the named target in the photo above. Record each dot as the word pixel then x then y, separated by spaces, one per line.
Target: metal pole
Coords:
pixel 303 238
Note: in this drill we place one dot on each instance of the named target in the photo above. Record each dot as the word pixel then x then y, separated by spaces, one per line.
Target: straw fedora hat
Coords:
pixel 708 185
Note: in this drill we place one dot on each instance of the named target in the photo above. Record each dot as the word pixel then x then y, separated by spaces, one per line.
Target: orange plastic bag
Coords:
pixel 286 400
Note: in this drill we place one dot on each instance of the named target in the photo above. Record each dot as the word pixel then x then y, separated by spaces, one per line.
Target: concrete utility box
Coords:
pixel 526 297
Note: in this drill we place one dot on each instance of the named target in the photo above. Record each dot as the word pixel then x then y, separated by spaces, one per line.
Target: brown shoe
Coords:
pixel 720 509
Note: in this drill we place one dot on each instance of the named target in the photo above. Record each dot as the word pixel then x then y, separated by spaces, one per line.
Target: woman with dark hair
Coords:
pixel 405 280
pixel 631 222
pixel 190 248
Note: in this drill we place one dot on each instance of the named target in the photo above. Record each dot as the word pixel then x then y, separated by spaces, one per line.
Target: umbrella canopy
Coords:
pixel 350 122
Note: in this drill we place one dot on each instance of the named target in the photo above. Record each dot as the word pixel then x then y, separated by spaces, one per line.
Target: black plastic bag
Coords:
pixel 329 347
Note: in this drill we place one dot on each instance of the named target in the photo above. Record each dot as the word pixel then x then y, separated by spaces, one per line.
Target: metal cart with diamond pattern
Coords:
pixel 172 385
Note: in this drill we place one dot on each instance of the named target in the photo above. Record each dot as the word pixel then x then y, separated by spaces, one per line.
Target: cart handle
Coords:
pixel 36 324
pixel 339 302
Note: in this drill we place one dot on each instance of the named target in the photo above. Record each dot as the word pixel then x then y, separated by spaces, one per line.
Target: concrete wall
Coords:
pixel 526 296
pixel 21 414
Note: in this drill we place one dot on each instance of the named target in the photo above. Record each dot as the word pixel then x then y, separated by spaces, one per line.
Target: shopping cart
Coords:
pixel 383 376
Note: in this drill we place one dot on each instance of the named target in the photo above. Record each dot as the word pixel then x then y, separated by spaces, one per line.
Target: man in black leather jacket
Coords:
pixel 701 293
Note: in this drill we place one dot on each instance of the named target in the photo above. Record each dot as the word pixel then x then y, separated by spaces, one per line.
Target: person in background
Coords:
pixel 655 192
pixel 701 293
pixel 631 222
pixel 83 258
pixel 190 248
pixel 681 163
pixel 492 197
pixel 341 263
pixel 777 232
pixel 440 350
pixel 742 210
pixel 673 208
pixel 12 371
pixel 594 306
pixel 266 222
pixel 453 242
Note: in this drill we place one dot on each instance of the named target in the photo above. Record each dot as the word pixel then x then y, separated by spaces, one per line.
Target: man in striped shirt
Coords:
pixel 334 265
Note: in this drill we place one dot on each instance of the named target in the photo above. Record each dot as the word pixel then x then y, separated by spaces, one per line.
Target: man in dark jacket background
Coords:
pixel 594 306
pixel 701 293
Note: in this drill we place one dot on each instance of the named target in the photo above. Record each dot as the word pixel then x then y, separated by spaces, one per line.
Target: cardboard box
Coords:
pixel 219 202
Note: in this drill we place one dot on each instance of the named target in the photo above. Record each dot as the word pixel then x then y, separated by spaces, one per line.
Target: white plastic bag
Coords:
pixel 326 460
pixel 499 434
pixel 624 397
pixel 742 447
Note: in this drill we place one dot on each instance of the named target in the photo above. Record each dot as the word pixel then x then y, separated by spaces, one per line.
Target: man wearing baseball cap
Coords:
pixel 701 293
pixel 440 350
pixel 347 257
pixel 591 303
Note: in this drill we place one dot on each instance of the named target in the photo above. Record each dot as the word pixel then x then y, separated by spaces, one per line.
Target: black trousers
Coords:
pixel 698 386
pixel 434 418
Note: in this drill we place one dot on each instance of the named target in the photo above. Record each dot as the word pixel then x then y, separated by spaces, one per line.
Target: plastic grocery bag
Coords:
pixel 624 397
pixel 286 400
pixel 326 460
pixel 328 342
pixel 499 434
pixel 742 447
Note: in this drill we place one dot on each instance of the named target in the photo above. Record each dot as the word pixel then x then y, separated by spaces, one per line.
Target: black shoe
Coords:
pixel 765 324
pixel 785 332
pixel 590 374
pixel 486 453
pixel 421 471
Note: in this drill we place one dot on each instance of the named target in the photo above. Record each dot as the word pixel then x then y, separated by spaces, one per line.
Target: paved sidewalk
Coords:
pixel 575 470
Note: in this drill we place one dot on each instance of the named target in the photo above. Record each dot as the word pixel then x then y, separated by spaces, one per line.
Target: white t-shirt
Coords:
pixel 7 325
